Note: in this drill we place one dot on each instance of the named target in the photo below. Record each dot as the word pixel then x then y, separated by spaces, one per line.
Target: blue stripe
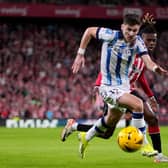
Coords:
pixel 137 115
pixel 118 67
pixel 128 64
pixel 108 66
pixel 142 129
pixel 110 46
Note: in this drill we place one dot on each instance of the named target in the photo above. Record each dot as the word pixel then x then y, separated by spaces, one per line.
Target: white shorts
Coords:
pixel 111 95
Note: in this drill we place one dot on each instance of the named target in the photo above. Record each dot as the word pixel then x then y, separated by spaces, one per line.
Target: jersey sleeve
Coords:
pixel 145 85
pixel 141 47
pixel 106 34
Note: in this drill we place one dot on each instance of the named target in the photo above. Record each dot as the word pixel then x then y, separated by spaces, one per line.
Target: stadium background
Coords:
pixel 38 42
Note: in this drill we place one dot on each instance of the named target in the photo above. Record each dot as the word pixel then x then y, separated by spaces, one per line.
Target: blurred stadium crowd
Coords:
pixel 36 79
pixel 96 2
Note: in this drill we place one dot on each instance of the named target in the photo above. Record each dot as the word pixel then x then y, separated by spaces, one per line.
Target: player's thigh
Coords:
pixel 132 102
pixel 114 113
pixel 113 116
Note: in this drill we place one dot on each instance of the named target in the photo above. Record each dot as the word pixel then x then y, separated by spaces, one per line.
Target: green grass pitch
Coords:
pixel 42 148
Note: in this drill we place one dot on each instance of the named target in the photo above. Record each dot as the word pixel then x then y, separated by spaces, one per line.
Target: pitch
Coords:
pixel 42 148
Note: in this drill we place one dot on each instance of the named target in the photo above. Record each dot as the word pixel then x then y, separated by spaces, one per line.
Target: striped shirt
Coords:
pixel 117 57
pixel 136 74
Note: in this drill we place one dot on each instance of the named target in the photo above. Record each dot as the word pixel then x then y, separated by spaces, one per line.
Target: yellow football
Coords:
pixel 130 139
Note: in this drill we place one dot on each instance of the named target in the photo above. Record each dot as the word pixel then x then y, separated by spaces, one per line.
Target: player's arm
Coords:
pixel 146 88
pixel 80 59
pixel 153 66
pixel 145 85
pixel 88 34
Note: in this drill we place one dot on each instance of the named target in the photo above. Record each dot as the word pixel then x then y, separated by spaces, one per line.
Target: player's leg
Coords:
pixel 154 132
pixel 114 114
pixel 117 101
pixel 128 117
pixel 100 127
pixel 67 130
pixel 109 132
pixel 72 125
pixel 147 149
pixel 138 121
pixel 135 104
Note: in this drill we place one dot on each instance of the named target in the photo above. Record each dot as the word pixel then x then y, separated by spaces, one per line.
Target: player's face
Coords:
pixel 130 32
pixel 150 40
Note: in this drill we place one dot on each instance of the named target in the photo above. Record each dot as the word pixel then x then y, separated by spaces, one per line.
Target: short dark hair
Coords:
pixel 148 28
pixel 132 19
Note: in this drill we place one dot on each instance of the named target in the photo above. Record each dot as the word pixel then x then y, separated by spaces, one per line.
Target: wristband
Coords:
pixel 154 68
pixel 81 51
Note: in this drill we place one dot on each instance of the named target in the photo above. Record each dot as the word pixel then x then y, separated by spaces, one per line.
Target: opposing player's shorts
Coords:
pixel 111 95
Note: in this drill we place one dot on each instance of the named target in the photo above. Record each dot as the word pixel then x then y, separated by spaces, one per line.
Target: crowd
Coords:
pixel 36 79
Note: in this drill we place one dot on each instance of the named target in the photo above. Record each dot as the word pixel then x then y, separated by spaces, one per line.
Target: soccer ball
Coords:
pixel 130 139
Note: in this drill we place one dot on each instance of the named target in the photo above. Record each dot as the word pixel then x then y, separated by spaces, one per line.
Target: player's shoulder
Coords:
pixel 140 42
pixel 139 39
pixel 108 30
pixel 107 34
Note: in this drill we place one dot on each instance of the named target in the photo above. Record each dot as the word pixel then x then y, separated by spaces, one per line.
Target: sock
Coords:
pixel 156 141
pixel 75 126
pixel 83 127
pixel 139 122
pixel 127 122
pixel 99 127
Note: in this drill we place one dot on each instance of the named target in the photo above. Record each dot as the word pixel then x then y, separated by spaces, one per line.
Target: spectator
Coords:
pixel 35 73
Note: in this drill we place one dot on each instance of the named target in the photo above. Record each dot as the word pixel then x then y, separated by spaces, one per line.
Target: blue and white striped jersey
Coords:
pixel 117 56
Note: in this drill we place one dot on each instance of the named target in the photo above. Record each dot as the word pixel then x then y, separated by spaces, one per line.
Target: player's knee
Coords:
pixel 138 106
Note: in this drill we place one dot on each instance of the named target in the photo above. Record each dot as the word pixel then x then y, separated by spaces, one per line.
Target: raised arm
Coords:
pixel 153 66
pixel 80 59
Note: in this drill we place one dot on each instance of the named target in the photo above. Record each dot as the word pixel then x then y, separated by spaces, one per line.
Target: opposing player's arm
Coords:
pixel 146 88
pixel 153 66
pixel 145 85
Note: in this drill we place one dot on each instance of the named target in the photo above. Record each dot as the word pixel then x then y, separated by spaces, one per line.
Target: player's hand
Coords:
pixel 78 63
pixel 148 18
pixel 153 104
